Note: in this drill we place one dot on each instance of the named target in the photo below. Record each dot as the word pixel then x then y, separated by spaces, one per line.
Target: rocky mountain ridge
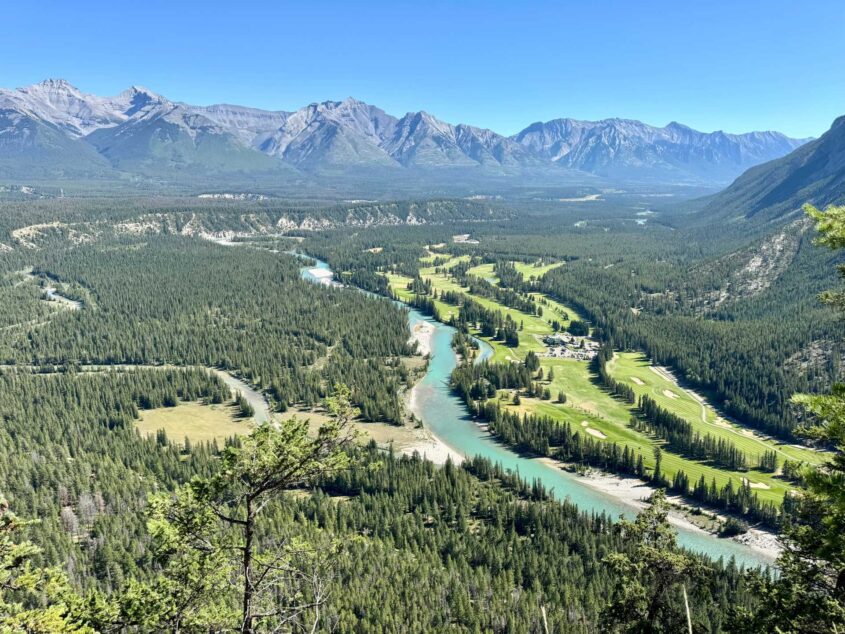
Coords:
pixel 54 128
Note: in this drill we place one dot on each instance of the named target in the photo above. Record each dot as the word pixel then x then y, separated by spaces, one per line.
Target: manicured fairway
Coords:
pixel 535 270
pixel 593 411
pixel 636 370
pixel 484 271
pixel 587 402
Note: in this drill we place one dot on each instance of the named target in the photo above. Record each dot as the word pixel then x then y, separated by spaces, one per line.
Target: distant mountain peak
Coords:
pixel 630 149
pixel 141 90
pixel 53 84
pixel 679 126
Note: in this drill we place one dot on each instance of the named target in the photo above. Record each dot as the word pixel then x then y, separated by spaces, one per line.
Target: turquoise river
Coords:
pixel 448 419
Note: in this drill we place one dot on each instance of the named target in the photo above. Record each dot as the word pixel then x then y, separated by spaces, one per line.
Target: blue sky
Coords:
pixel 735 66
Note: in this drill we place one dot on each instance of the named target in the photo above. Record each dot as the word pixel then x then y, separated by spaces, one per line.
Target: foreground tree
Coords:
pixel 23 585
pixel 650 591
pixel 220 569
pixel 809 594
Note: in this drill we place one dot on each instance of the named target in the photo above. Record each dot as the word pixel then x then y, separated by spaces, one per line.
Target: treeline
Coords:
pixel 504 296
pixel 418 286
pixel 491 323
pixel 510 295
pixel 508 276
pixel 425 305
pixel 680 437
pixel 471 315
pixel 618 388
pixel 465 345
pixel 674 429
pixel 479 381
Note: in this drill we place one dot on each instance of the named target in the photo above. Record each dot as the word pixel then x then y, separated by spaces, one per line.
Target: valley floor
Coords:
pixel 592 410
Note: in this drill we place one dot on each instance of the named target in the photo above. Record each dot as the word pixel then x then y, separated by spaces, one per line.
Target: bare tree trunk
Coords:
pixel 545 620
pixel 686 606
pixel 246 628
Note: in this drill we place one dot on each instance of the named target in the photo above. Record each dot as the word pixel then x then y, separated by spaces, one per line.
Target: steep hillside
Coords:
pixel 31 148
pixel 176 138
pixel 775 191
pixel 32 223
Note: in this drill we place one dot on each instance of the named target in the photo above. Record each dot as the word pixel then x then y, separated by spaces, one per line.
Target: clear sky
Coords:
pixel 735 66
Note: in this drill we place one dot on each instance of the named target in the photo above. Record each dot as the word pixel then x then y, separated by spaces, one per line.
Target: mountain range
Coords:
pixel 53 130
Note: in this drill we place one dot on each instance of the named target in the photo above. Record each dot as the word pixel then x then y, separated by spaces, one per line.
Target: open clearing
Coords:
pixel 196 421
pixel 204 423
pixel 536 270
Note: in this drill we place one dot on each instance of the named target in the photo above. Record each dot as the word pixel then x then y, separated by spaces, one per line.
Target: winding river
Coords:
pixel 446 416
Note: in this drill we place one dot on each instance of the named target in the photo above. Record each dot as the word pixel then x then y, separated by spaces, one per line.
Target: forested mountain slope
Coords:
pixel 775 191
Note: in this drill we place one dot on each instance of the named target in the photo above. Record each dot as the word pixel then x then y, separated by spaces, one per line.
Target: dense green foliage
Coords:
pixel 477 540
pixel 71 458
pixel 651 581
pixel 492 552
pixel 690 298
pixel 809 594
pixel 180 301
pixel 681 438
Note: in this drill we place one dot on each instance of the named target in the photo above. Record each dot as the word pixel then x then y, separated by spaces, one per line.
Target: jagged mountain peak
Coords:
pixel 51 84
pixel 352 133
pixel 133 92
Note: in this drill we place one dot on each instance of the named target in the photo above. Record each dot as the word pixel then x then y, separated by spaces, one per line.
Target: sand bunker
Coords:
pixel 721 422
pixel 595 432
pixel 756 485
pixel 637 380
pixel 670 394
